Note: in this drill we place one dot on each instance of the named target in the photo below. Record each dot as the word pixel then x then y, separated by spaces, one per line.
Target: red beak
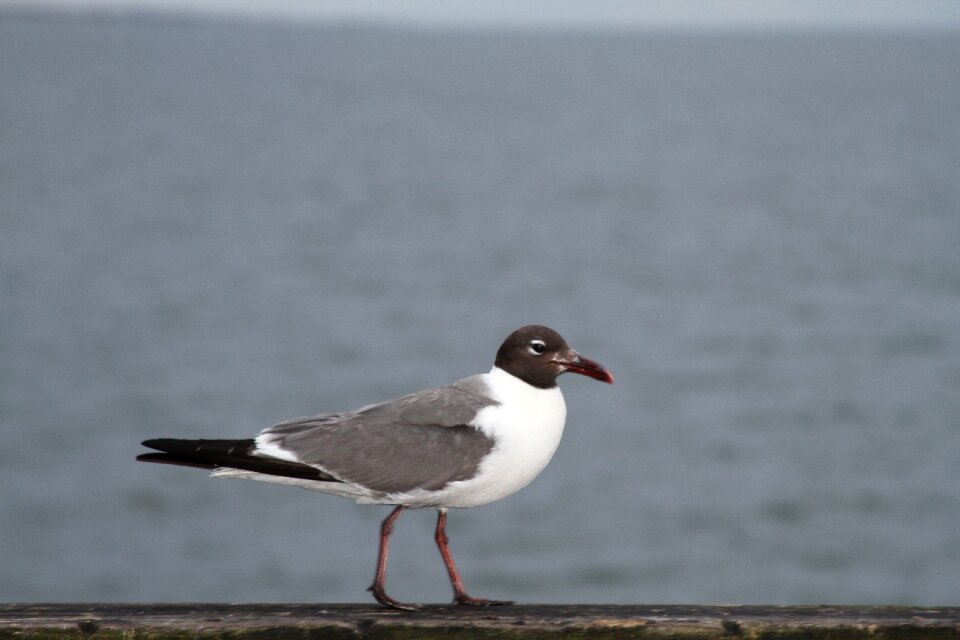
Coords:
pixel 586 367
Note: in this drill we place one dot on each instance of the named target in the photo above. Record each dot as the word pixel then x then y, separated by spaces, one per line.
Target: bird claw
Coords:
pixel 469 601
pixel 381 596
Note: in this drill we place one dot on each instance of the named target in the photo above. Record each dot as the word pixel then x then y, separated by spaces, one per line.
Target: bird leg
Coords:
pixel 459 592
pixel 377 587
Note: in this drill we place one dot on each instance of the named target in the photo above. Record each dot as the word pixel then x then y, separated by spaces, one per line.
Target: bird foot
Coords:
pixel 382 597
pixel 469 601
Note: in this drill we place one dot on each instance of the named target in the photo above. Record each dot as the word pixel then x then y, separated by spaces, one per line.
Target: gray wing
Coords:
pixel 422 440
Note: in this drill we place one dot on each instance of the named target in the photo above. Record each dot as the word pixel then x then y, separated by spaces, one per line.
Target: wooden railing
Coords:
pixel 349 621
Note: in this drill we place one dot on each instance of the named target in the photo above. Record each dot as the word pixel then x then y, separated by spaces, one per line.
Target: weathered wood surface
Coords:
pixel 361 621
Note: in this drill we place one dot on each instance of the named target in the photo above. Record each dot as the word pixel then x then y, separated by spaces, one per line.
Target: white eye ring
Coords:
pixel 537 347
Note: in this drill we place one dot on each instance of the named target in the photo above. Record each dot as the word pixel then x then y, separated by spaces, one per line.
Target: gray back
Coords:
pixel 416 441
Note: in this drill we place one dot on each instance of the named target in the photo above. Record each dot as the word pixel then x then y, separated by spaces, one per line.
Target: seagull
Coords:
pixel 462 445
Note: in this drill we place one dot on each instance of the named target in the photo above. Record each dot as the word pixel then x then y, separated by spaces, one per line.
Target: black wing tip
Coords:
pixel 179 444
pixel 204 454
pixel 230 454
pixel 165 444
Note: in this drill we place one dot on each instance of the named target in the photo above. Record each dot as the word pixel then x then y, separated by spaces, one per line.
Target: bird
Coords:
pixel 461 445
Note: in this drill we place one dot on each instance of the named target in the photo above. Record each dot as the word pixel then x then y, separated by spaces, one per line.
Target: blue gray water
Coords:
pixel 206 228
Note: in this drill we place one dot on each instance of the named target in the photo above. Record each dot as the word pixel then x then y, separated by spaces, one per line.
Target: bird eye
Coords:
pixel 537 346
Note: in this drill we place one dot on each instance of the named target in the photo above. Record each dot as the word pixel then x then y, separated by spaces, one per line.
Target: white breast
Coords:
pixel 526 426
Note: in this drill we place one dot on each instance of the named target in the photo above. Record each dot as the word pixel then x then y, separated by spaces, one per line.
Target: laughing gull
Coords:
pixel 462 445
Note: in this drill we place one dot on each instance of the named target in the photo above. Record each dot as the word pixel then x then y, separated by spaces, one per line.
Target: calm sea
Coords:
pixel 206 228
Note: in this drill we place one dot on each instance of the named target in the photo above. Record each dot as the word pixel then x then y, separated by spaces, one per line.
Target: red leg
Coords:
pixel 459 592
pixel 377 587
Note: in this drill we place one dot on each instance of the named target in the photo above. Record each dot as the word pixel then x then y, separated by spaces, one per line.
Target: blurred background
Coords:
pixel 218 215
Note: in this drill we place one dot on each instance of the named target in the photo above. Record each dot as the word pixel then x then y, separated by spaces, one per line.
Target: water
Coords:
pixel 207 228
